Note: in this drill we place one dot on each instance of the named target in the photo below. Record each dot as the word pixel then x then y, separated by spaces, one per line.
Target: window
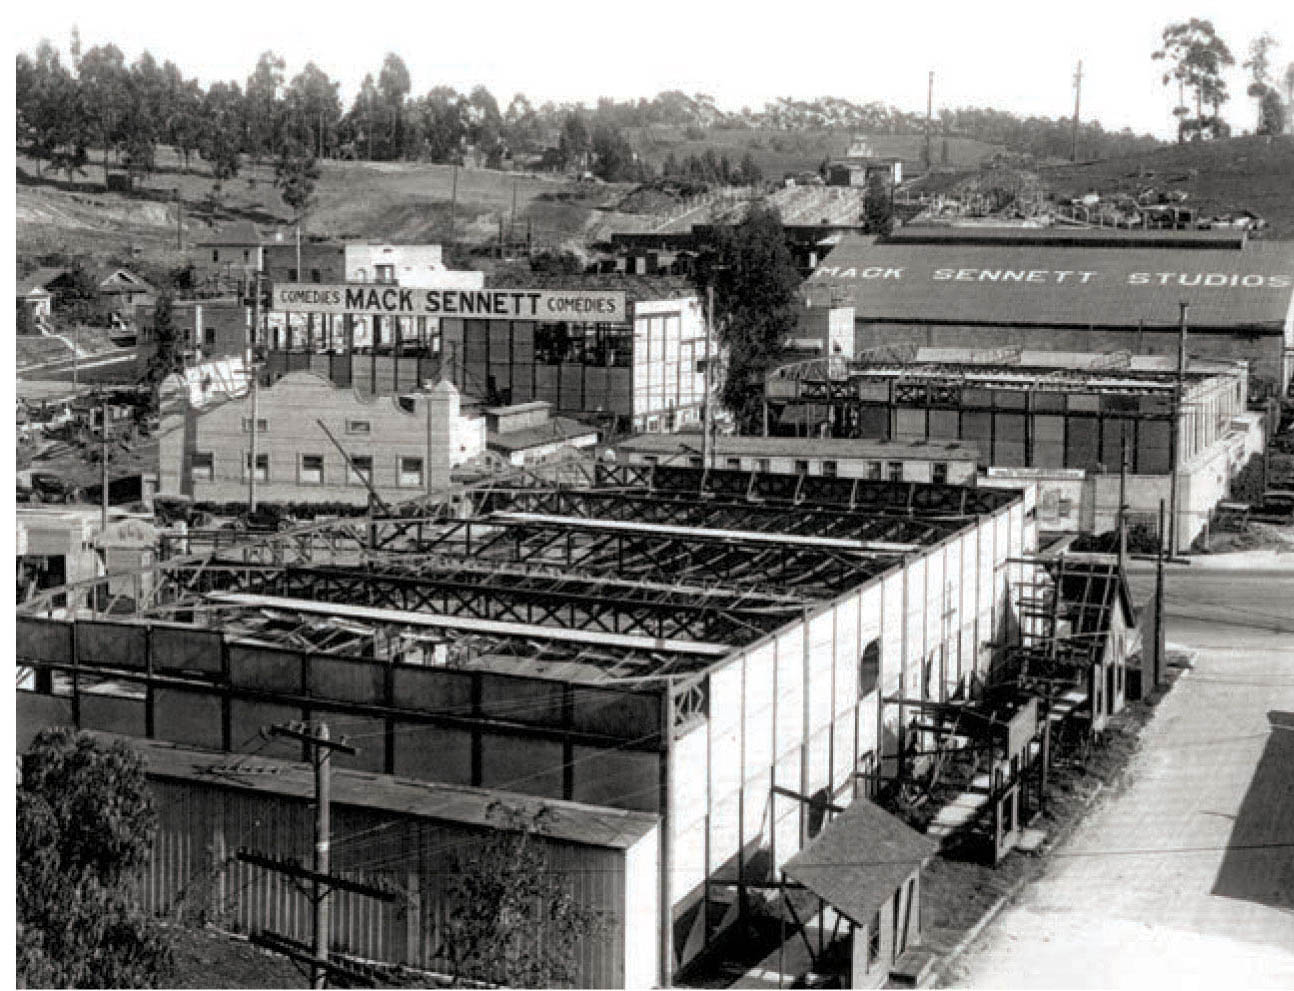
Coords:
pixel 829 469
pixel 292 275
pixel 801 467
pixel 359 427
pixel 360 469
pixel 940 473
pixel 312 469
pixel 761 464
pixel 410 472
pixel 247 255
pixel 733 463
pixel 262 466
pixel 874 941
pixel 874 470
pixel 869 669
pixel 261 425
pixel 204 466
pixel 896 471
pixel 384 273
pixel 314 275
pixel 215 254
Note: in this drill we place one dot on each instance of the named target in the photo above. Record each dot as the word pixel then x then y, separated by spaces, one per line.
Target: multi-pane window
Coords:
pixel 761 464
pixel 261 425
pixel 262 466
pixel 941 472
pixel 204 466
pixel 410 472
pixel 312 469
pixel 895 471
pixel 384 273
pixel 829 469
pixel 801 467
pixel 874 470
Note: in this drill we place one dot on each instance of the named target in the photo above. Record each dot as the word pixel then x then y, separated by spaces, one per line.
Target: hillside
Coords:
pixel 404 201
pixel 778 152
pixel 1219 177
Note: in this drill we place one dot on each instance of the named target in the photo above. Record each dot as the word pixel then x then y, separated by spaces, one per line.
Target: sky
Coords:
pixel 1013 56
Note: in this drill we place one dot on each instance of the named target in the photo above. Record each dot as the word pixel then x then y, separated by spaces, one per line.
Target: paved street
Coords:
pixel 1186 876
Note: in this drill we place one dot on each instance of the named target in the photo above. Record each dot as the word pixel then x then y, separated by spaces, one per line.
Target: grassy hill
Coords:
pixel 779 152
pixel 1218 177
pixel 403 201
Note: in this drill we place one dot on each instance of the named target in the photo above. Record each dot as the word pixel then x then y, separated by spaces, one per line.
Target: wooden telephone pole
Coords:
pixel 930 107
pixel 321 746
pixel 1078 96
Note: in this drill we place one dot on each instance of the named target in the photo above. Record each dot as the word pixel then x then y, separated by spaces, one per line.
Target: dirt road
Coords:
pixel 1186 876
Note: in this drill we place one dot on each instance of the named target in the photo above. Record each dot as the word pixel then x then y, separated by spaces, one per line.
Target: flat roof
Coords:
pixel 460 804
pixel 839 448
pixel 1062 286
pixel 556 430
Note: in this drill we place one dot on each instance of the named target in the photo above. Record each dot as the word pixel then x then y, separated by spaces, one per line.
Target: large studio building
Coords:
pixel 1070 290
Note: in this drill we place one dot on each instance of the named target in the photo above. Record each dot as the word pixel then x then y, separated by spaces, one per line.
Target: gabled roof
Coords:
pixel 859 859
pixel 241 232
pixel 39 279
pixel 124 278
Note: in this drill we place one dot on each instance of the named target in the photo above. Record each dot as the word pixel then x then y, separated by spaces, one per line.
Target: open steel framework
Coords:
pixel 651 574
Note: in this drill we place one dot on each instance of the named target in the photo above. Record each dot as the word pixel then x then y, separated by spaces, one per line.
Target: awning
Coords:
pixel 860 859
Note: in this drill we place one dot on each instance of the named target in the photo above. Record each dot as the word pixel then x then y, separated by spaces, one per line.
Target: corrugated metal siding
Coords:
pixel 194 871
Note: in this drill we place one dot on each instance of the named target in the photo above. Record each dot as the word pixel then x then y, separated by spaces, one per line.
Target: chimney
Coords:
pixel 443 406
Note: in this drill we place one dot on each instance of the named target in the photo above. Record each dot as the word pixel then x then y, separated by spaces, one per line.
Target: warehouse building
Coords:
pixel 1071 291
pixel 1062 421
pixel 732 655
pixel 951 462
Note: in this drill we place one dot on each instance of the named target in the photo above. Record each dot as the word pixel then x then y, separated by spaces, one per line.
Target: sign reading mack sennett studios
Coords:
pixel 578 306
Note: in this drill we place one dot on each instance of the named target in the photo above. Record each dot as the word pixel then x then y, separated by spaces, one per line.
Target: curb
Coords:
pixel 939 972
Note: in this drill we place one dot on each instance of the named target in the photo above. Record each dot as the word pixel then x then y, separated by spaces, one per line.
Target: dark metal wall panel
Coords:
pixel 522 700
pixel 187 650
pixel 433 753
pixel 620 779
pixel 44 639
pixel 113 714
pixel 187 717
pixel 617 714
pixel 349 681
pixel 247 719
pixel 432 690
pixel 265 669
pixel 115 645
pixel 517 763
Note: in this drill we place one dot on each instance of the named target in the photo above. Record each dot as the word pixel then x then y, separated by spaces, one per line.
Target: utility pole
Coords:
pixel 1123 501
pixel 930 108
pixel 179 220
pixel 512 221
pixel 707 441
pixel 103 461
pixel 453 204
pixel 1157 649
pixel 251 369
pixel 1176 432
pixel 1078 95
pixel 321 746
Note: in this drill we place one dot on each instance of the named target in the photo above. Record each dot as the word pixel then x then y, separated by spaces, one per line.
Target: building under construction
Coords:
pixel 696 669
pixel 1093 431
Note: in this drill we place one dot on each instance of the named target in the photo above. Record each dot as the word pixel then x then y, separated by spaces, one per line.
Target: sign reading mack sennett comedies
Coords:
pixel 577 306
